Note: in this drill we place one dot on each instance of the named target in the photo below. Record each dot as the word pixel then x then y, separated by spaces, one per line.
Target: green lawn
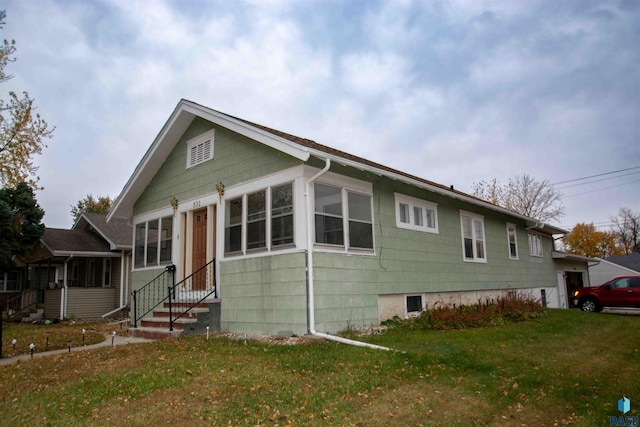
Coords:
pixel 565 368
pixel 51 337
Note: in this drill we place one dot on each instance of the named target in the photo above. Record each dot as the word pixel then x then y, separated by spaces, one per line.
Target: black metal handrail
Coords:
pixel 152 294
pixel 192 290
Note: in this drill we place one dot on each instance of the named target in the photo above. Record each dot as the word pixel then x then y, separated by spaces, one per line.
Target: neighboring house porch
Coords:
pixel 82 272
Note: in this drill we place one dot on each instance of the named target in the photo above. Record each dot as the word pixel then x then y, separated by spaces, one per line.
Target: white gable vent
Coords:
pixel 200 149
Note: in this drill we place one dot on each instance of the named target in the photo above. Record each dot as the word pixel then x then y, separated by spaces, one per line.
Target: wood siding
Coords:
pixel 83 303
pixel 52 303
pixel 236 159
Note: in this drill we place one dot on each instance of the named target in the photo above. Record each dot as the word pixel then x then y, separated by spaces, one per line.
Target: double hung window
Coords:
pixel 512 241
pixel 343 218
pixel 10 281
pixel 535 244
pixel 258 221
pixel 153 242
pixel 233 226
pixel 282 215
pixel 473 240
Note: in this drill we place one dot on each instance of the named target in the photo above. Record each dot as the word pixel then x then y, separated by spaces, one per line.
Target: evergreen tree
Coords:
pixel 20 222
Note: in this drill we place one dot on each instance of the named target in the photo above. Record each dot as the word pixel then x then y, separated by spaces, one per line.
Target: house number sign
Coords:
pixel 196 204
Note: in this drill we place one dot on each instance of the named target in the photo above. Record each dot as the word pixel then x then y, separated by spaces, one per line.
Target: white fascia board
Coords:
pixel 173 129
pixel 245 129
pixel 144 172
pixel 420 184
pixel 80 254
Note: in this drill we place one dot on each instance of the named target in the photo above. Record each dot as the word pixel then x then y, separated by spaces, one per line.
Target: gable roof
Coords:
pixel 116 232
pixel 300 148
pixel 631 261
pixel 60 241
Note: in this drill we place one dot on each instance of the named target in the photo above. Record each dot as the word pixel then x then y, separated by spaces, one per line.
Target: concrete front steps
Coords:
pixel 33 316
pixel 193 322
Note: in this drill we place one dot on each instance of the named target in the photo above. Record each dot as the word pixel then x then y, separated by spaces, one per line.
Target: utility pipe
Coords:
pixel 309 260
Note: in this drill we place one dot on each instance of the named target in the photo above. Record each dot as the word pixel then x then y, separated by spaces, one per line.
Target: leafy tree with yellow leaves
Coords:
pixel 22 130
pixel 100 204
pixel 585 240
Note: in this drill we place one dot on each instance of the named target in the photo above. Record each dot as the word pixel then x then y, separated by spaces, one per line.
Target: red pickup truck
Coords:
pixel 621 291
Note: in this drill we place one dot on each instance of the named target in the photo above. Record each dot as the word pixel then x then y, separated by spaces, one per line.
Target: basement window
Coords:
pixel 414 305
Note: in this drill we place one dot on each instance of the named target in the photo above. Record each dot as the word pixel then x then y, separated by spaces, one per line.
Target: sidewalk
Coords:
pixel 118 340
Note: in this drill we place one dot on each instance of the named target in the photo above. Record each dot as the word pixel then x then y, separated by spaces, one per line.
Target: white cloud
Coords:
pixel 372 74
pixel 439 90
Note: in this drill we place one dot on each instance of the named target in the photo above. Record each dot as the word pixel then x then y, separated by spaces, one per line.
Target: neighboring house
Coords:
pixel 11 285
pixel 305 237
pixel 83 272
pixel 613 266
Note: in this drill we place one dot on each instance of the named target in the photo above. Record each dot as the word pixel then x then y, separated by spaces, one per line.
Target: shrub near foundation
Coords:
pixel 504 310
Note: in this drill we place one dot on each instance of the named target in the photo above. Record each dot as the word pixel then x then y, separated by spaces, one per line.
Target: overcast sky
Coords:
pixel 452 91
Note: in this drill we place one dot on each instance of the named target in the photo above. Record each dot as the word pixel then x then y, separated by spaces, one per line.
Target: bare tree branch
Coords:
pixel 524 195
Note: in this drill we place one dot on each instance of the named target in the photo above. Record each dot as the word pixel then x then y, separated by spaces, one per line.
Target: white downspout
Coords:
pixel 123 284
pixel 122 279
pixel 126 275
pixel 65 289
pixel 311 305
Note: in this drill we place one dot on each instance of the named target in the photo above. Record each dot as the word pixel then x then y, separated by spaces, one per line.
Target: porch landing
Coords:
pixel 192 322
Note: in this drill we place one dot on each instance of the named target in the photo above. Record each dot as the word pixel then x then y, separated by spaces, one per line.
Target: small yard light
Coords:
pixel 32 347
pixel 84 331
pixel 69 345
pixel 113 337
pixel 207 333
pixel 14 342
pixel 46 344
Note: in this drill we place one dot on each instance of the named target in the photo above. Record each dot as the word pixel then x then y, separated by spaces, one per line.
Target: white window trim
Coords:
pixel 515 236
pixel 200 139
pixel 407 313
pixel 106 261
pixel 538 237
pixel 244 252
pixel 474 217
pixel 345 186
pixel 413 202
pixel 145 219
pixel 4 282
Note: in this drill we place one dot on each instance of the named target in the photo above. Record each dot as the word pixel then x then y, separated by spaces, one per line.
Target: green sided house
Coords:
pixel 276 234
